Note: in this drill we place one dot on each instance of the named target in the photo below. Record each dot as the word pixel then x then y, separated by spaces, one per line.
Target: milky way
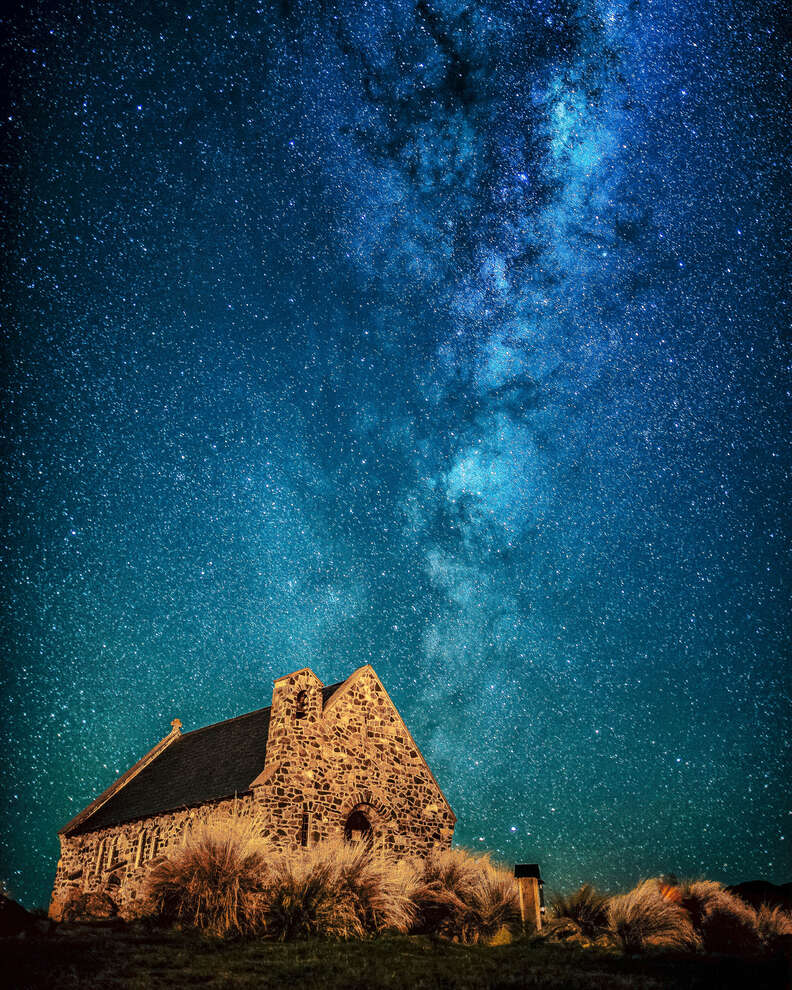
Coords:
pixel 448 338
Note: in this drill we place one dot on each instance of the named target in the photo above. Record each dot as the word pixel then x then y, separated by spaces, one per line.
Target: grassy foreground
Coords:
pixel 81 957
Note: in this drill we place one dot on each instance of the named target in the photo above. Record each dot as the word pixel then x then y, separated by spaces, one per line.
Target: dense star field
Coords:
pixel 447 337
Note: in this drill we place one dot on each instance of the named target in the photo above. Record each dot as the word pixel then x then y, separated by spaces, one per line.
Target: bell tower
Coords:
pixel 295 720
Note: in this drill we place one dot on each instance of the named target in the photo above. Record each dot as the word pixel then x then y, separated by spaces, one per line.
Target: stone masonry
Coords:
pixel 343 765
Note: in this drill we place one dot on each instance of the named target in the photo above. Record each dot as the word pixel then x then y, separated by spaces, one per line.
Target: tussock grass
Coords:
pixel 380 887
pixel 586 907
pixel 338 890
pixel 214 881
pixel 495 904
pixel 225 880
pixel 696 914
pixel 302 899
pixel 722 921
pixel 644 917
pixel 773 925
pixel 464 896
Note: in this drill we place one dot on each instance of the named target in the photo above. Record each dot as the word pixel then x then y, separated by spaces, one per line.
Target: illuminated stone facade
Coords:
pixel 334 761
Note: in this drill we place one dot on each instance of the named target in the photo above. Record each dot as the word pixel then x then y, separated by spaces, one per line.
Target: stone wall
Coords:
pixel 322 765
pixel 115 861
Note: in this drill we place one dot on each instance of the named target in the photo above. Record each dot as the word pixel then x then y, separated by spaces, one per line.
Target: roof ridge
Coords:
pixel 205 765
pixel 256 711
pixel 225 721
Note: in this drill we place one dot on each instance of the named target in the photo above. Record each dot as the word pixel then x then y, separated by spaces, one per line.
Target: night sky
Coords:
pixel 451 338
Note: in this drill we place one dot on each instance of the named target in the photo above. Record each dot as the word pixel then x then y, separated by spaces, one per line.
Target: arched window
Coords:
pixel 301 706
pixel 112 852
pixel 100 851
pixel 358 828
pixel 140 852
pixel 147 845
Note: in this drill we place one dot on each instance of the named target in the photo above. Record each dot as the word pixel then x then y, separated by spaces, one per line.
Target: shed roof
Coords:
pixel 205 765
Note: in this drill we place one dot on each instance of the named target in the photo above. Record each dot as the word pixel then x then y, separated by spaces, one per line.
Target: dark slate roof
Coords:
pixel 207 764
pixel 329 691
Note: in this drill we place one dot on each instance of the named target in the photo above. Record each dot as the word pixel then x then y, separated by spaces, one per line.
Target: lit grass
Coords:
pixel 214 881
pixel 338 890
pixel 464 896
pixel 774 926
pixel 586 907
pixel 380 888
pixel 304 898
pixel 644 918
pixel 722 921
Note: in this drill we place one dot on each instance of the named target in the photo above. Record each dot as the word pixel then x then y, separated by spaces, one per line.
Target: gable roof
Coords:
pixel 208 764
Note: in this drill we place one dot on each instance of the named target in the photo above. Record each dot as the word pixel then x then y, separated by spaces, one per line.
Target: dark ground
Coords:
pixel 92 957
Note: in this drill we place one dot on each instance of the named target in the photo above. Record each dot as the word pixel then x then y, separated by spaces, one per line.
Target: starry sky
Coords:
pixel 447 337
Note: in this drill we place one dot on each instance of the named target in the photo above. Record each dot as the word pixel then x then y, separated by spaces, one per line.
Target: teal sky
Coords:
pixel 451 339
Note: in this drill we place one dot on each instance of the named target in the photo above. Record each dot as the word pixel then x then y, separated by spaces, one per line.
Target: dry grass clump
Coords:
pixel 464 896
pixel 302 899
pixel 214 881
pixel 496 904
pixel 338 890
pixel 644 917
pixel 774 927
pixel 722 921
pixel 225 880
pixel 696 914
pixel 586 907
pixel 380 888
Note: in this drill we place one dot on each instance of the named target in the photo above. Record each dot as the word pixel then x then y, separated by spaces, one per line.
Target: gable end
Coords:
pixel 368 671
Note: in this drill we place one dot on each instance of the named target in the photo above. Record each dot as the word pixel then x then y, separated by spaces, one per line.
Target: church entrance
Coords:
pixel 358 828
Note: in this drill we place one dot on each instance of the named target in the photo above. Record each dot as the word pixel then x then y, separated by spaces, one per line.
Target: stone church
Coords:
pixel 320 762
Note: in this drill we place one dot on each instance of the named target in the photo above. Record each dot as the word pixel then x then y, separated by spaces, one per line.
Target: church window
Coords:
pixel 112 852
pixel 147 846
pixel 304 827
pixel 100 852
pixel 301 708
pixel 140 852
